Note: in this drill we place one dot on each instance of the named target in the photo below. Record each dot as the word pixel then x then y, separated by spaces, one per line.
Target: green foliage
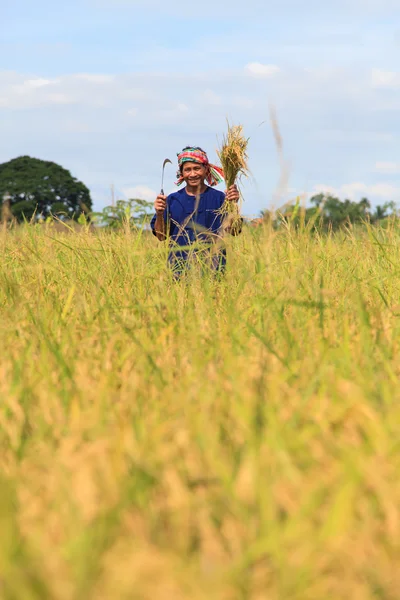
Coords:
pixel 132 213
pixel 39 187
pixel 330 213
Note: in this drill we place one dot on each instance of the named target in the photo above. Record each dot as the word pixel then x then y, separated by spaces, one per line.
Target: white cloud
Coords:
pixel 76 126
pixel 182 107
pixel 18 92
pixel 36 83
pixel 140 191
pixel 388 168
pixel 349 136
pixel 243 102
pixel 357 190
pixel 57 98
pixel 211 98
pixel 132 112
pixel 385 79
pixel 256 69
pixel 30 86
pixel 93 78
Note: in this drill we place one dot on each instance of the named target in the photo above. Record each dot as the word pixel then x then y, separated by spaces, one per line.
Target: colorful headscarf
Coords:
pixel 214 174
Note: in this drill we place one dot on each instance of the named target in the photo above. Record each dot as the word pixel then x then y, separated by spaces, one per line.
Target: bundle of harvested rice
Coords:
pixel 233 157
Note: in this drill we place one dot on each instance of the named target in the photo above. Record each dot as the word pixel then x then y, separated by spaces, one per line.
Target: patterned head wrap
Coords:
pixel 214 174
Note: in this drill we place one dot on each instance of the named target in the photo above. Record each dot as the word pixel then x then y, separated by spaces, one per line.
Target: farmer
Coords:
pixel 191 216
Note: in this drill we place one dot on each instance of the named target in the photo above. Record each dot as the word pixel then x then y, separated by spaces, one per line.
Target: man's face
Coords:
pixel 193 173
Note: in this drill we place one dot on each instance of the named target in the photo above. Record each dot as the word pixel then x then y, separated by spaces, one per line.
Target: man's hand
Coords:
pixel 232 194
pixel 160 226
pixel 160 204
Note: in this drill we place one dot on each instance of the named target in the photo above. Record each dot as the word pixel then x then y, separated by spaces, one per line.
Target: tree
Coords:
pixel 43 188
pixel 135 212
pixel 381 213
pixel 336 213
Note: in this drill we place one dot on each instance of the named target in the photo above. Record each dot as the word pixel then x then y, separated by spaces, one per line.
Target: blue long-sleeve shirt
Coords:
pixel 187 225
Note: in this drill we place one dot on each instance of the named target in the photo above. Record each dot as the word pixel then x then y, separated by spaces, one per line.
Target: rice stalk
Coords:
pixel 234 161
pixel 230 438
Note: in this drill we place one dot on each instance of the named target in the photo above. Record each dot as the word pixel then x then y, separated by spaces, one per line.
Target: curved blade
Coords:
pixel 166 161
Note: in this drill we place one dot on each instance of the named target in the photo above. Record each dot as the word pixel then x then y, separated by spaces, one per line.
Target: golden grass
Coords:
pixel 228 441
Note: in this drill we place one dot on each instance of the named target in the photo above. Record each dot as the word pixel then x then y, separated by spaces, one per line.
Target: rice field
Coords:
pixel 203 440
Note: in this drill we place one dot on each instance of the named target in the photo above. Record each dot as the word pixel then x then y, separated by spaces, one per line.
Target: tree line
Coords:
pixel 328 212
pixel 34 189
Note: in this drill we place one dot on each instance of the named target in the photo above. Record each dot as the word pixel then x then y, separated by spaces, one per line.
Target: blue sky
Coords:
pixel 109 88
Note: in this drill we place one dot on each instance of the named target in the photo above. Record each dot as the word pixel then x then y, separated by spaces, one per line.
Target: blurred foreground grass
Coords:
pixel 202 440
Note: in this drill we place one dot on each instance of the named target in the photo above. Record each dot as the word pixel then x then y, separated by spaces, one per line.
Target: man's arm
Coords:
pixel 160 226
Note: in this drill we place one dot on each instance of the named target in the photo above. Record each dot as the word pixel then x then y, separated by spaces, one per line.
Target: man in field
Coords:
pixel 191 219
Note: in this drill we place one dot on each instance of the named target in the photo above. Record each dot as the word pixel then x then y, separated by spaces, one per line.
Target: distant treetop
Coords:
pixel 43 188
